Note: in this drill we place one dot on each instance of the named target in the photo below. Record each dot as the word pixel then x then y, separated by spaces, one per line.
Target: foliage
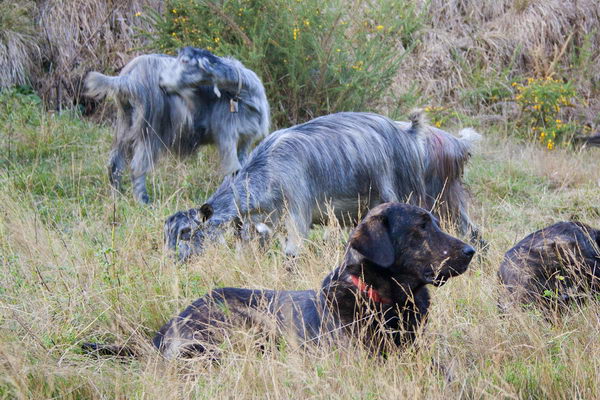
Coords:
pixel 541 101
pixel 314 56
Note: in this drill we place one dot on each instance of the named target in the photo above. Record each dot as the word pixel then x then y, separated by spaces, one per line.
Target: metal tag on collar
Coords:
pixel 233 105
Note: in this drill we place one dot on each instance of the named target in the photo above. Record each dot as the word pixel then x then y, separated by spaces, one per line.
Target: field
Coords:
pixel 79 265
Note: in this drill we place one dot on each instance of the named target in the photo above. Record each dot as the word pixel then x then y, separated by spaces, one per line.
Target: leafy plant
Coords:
pixel 541 101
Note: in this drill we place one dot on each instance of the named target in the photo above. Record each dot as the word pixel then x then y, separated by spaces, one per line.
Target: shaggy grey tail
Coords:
pixel 99 349
pixel 99 86
pixel 417 120
pixel 469 136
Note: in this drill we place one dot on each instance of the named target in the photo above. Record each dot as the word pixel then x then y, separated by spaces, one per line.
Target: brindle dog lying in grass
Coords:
pixel 557 265
pixel 379 293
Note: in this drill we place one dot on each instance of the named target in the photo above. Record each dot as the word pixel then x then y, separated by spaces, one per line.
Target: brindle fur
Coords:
pixel 555 265
pixel 398 249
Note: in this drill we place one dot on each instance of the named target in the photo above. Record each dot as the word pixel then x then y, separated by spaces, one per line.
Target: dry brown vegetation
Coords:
pixel 53 44
pixel 466 48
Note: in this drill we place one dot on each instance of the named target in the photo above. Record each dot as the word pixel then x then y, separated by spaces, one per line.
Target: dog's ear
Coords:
pixel 372 240
pixel 206 210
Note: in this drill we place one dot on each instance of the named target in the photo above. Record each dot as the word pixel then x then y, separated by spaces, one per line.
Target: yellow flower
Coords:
pixel 137 14
pixel 306 22
pixel 438 124
pixel 295 33
pixel 174 11
pixel 379 27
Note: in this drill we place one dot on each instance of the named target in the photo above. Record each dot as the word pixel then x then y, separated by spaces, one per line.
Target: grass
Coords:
pixel 79 266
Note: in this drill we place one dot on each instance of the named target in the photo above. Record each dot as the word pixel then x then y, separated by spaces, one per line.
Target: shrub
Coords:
pixel 314 56
pixel 541 101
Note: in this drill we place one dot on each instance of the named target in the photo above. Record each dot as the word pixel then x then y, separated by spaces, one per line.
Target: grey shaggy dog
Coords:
pixel 168 104
pixel 351 161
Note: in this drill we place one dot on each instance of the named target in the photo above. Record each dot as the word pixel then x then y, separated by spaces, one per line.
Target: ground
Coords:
pixel 78 265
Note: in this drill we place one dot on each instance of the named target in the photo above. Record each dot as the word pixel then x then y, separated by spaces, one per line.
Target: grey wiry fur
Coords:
pixel 353 161
pixel 188 114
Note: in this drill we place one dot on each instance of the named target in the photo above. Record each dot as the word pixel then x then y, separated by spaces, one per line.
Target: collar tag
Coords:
pixel 233 105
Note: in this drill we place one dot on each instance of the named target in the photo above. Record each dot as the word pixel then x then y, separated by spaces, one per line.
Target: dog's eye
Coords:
pixel 423 225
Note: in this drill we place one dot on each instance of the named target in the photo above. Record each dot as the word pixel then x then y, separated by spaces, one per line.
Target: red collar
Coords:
pixel 372 293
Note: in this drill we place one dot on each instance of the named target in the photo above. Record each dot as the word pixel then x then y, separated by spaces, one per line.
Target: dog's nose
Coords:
pixel 468 251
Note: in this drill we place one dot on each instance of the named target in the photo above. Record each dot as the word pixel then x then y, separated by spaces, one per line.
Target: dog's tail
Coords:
pixel 448 154
pixel 98 86
pixel 99 349
pixel 469 137
pixel 417 120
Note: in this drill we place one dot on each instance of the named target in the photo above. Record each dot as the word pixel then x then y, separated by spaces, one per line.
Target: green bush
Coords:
pixel 541 101
pixel 314 56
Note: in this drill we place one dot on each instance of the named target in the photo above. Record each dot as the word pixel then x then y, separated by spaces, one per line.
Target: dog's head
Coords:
pixel 193 68
pixel 186 231
pixel 407 242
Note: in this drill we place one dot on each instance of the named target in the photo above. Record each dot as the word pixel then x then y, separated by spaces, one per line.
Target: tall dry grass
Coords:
pixel 80 36
pixel 51 45
pixel 77 266
pixel 20 51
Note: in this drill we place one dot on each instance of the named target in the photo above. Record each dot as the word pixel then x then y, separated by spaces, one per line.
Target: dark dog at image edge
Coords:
pixel 378 295
pixel 557 265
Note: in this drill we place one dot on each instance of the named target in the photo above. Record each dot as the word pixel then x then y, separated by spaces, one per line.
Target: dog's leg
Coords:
pixel 386 190
pixel 243 148
pixel 297 225
pixel 139 188
pixel 116 165
pixel 228 155
pixel 467 227
pixel 141 164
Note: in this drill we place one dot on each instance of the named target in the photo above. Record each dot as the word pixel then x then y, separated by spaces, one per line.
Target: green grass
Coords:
pixel 78 265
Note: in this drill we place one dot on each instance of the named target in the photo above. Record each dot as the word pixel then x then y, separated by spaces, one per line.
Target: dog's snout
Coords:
pixel 468 251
